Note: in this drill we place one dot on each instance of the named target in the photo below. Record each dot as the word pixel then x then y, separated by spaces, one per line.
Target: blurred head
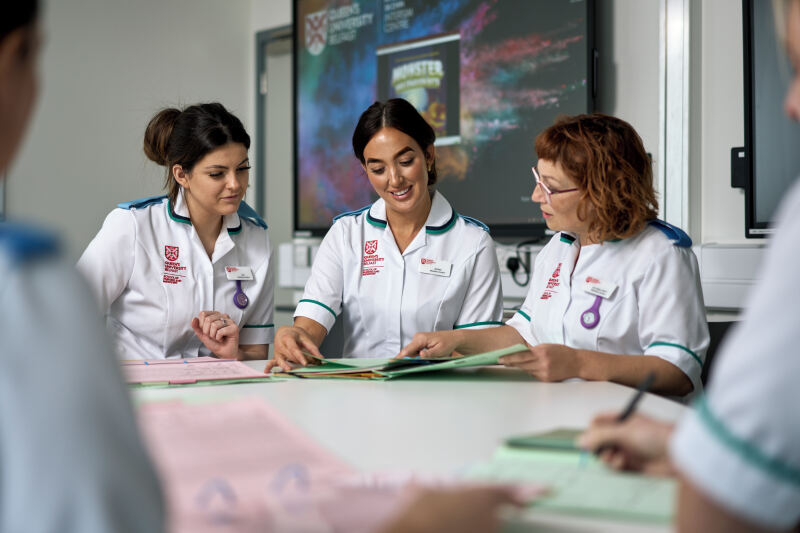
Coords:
pixel 791 12
pixel 19 53
pixel 402 116
pixel 204 148
pixel 604 159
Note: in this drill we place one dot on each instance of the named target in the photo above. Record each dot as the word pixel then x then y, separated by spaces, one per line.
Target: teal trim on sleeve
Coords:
pixel 321 305
pixel 258 326
pixel 524 315
pixel 473 324
pixel 773 466
pixel 684 348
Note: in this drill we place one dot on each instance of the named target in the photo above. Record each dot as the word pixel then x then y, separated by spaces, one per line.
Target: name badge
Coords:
pixel 603 289
pixel 239 273
pixel 437 267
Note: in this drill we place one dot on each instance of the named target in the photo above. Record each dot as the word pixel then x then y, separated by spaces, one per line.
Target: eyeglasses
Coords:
pixel 547 191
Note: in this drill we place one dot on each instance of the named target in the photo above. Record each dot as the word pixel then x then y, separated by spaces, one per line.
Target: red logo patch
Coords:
pixel 590 279
pixel 427 261
pixel 171 253
pixel 371 247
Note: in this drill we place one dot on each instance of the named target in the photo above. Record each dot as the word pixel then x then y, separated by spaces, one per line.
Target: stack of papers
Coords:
pixel 201 370
pixel 580 484
pixel 381 369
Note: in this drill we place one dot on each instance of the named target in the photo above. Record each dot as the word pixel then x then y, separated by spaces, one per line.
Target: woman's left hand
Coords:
pixel 218 332
pixel 546 362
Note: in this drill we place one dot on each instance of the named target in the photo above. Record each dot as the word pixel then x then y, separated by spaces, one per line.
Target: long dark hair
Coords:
pixel 400 115
pixel 17 14
pixel 175 137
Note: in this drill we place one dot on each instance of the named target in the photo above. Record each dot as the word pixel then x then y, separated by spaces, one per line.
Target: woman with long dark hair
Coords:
pixel 404 264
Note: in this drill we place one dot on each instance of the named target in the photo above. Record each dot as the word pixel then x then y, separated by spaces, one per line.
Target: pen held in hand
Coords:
pixel 643 387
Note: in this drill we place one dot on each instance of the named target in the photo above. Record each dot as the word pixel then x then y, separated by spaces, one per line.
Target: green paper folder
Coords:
pixel 579 483
pixel 381 369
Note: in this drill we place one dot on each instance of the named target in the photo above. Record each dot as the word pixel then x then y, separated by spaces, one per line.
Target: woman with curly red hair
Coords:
pixel 613 282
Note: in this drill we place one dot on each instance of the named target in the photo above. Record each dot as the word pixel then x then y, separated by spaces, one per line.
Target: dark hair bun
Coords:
pixel 157 134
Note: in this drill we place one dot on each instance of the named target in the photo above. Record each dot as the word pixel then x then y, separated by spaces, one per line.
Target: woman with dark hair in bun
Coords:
pixel 404 264
pixel 188 273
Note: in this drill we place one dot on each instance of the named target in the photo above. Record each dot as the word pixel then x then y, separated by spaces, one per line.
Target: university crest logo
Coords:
pixel 316 32
pixel 371 247
pixel 171 253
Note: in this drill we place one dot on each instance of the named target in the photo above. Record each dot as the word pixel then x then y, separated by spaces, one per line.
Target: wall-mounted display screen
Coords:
pixel 771 138
pixel 488 75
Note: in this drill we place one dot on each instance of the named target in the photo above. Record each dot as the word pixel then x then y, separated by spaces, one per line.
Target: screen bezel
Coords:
pixel 753 229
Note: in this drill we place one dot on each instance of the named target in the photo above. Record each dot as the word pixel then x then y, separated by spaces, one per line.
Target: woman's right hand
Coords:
pixel 290 342
pixel 638 444
pixel 432 344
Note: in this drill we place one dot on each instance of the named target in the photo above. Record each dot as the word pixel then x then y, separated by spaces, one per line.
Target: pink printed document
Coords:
pixel 242 467
pixel 188 371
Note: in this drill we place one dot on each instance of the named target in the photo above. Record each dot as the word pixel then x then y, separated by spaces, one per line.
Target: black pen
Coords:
pixel 643 387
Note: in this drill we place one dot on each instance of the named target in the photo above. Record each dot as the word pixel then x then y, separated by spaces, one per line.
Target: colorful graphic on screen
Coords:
pixel 488 75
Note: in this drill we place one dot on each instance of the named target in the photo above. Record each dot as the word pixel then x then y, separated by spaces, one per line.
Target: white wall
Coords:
pixel 627 41
pixel 107 66
pixel 268 14
pixel 721 107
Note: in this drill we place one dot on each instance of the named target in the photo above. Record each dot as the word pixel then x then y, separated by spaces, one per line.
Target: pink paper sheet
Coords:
pixel 242 467
pixel 187 370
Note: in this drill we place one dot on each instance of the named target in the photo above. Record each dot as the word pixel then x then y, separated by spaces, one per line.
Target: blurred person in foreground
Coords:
pixel 71 459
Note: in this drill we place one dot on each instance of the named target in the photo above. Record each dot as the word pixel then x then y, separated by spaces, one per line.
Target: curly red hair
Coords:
pixel 607 160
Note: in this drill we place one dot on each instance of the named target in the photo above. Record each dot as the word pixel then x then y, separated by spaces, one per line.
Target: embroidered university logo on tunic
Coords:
pixel 171 253
pixel 371 247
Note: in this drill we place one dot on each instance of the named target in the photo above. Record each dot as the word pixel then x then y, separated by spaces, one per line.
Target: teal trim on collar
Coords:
pixel 236 231
pixel 319 304
pixel 569 239
pixel 473 324
pixel 684 348
pixel 773 466
pixel 438 230
pixel 258 326
pixel 375 221
pixel 176 217
pixel 524 315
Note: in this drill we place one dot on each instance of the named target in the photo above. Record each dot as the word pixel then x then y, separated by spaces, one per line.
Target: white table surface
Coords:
pixel 437 423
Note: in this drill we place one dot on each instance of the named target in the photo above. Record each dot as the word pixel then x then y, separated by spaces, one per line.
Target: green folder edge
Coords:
pixel 546 503
pixel 481 359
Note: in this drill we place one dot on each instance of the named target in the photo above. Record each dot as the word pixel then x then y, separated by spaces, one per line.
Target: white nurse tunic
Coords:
pixel 446 279
pixel 741 444
pixel 639 295
pixel 151 276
